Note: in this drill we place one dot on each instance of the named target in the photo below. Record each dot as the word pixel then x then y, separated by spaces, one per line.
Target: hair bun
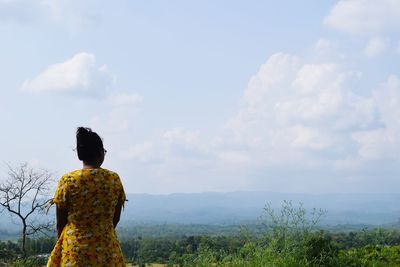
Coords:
pixel 83 132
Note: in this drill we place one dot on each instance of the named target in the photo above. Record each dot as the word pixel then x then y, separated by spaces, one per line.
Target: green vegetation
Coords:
pixel 37 250
pixel 287 237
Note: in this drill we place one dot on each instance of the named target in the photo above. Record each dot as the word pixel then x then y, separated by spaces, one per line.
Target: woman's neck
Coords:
pixel 90 166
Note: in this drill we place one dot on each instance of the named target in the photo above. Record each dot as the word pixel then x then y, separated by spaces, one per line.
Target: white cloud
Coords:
pixel 326 50
pixel 387 97
pixel 376 144
pixel 298 121
pixel 271 74
pixel 311 78
pixel 34 162
pixel 375 47
pixel 324 45
pixel 310 138
pixel 120 110
pixel 181 136
pixel 115 121
pixel 364 16
pixel 183 161
pixel 175 146
pixel 298 113
pixel 81 73
pixel 182 145
pixel 142 153
pixel 235 158
pixel 124 99
pixel 74 14
pixel 18 11
pixel 383 142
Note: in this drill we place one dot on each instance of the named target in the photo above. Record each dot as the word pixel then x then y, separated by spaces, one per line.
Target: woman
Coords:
pixel 89 202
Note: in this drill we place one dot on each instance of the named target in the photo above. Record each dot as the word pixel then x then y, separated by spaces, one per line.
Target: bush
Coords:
pixel 290 239
pixel 377 256
pixel 320 251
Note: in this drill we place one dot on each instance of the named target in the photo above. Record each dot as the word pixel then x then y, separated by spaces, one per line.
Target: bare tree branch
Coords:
pixel 24 192
pixel 43 228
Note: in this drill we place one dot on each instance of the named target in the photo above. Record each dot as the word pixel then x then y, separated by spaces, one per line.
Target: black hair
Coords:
pixel 88 144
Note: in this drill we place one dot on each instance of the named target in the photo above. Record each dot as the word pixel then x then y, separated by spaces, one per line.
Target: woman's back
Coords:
pixel 88 239
pixel 92 196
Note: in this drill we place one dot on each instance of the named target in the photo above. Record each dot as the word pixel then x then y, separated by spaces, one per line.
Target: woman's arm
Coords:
pixel 62 217
pixel 117 213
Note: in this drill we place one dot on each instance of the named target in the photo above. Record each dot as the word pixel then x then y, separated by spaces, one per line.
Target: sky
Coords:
pixel 199 96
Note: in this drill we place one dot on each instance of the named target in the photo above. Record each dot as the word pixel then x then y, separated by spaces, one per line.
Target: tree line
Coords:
pixel 375 247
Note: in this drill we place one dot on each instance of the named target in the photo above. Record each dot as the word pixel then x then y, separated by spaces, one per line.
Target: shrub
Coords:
pixel 377 256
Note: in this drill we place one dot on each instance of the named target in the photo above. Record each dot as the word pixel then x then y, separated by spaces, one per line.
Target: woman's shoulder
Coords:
pixel 82 173
pixel 109 173
pixel 79 172
pixel 72 174
pixel 69 177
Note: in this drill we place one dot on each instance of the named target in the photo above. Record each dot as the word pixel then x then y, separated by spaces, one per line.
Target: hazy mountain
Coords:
pixel 241 207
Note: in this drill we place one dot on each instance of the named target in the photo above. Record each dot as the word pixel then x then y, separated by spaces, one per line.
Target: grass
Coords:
pixel 149 265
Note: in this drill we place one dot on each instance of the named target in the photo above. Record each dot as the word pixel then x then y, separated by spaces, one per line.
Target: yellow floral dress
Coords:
pixel 88 239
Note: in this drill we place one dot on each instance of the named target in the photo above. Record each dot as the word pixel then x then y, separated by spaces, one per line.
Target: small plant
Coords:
pixel 290 239
pixel 287 229
pixel 30 262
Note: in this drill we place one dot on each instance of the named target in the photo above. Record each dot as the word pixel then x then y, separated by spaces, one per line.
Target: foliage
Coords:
pixel 289 229
pixel 377 236
pixel 30 262
pixel 290 237
pixel 370 256
pixel 126 231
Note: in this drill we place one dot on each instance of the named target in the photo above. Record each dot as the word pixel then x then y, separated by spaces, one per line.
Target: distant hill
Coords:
pixel 244 207
pixel 344 211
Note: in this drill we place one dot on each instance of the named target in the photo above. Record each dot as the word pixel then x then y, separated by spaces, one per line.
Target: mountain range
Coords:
pixel 243 207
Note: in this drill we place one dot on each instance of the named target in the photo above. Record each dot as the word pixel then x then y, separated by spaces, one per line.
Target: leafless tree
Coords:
pixel 25 192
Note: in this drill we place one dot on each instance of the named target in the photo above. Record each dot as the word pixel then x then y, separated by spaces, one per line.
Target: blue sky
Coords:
pixel 193 96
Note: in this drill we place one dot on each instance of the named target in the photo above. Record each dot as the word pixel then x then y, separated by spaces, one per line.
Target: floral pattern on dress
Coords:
pixel 89 239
